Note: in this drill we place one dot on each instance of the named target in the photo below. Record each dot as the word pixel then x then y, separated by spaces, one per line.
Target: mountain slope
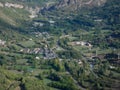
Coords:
pixel 110 13
pixel 81 13
pixel 76 4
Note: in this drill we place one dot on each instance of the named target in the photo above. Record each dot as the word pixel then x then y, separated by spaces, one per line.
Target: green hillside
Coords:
pixel 49 45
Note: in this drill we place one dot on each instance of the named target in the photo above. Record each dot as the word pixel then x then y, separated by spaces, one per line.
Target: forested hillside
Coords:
pixel 59 44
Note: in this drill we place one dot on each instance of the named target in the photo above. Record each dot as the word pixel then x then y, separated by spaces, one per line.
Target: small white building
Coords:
pixel 51 22
pixel 37 58
pixel 2 43
pixel 111 67
pixel 83 43
pixel 80 62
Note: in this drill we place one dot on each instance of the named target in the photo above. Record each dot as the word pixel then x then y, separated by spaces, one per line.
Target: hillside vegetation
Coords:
pixel 59 45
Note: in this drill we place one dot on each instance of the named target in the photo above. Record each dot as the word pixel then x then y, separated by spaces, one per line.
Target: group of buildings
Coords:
pixel 82 43
pixel 47 53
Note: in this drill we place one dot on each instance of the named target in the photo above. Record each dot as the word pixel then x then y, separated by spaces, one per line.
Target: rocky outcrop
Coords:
pixel 33 11
pixel 75 4
pixel 13 5
pixel 1 5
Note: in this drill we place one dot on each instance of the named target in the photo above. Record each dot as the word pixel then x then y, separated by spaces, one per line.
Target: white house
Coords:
pixel 2 43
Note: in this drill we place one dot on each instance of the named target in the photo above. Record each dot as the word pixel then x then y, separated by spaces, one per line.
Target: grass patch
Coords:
pixel 27 44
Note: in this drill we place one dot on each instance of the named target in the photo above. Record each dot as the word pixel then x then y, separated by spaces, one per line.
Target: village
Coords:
pixel 66 54
pixel 46 52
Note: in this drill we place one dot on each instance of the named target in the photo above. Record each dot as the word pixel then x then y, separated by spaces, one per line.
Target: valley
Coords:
pixel 49 45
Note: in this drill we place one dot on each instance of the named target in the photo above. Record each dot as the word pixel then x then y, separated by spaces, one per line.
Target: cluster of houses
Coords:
pixel 38 34
pixel 38 24
pixel 47 53
pixel 2 43
pixel 32 51
pixel 82 43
